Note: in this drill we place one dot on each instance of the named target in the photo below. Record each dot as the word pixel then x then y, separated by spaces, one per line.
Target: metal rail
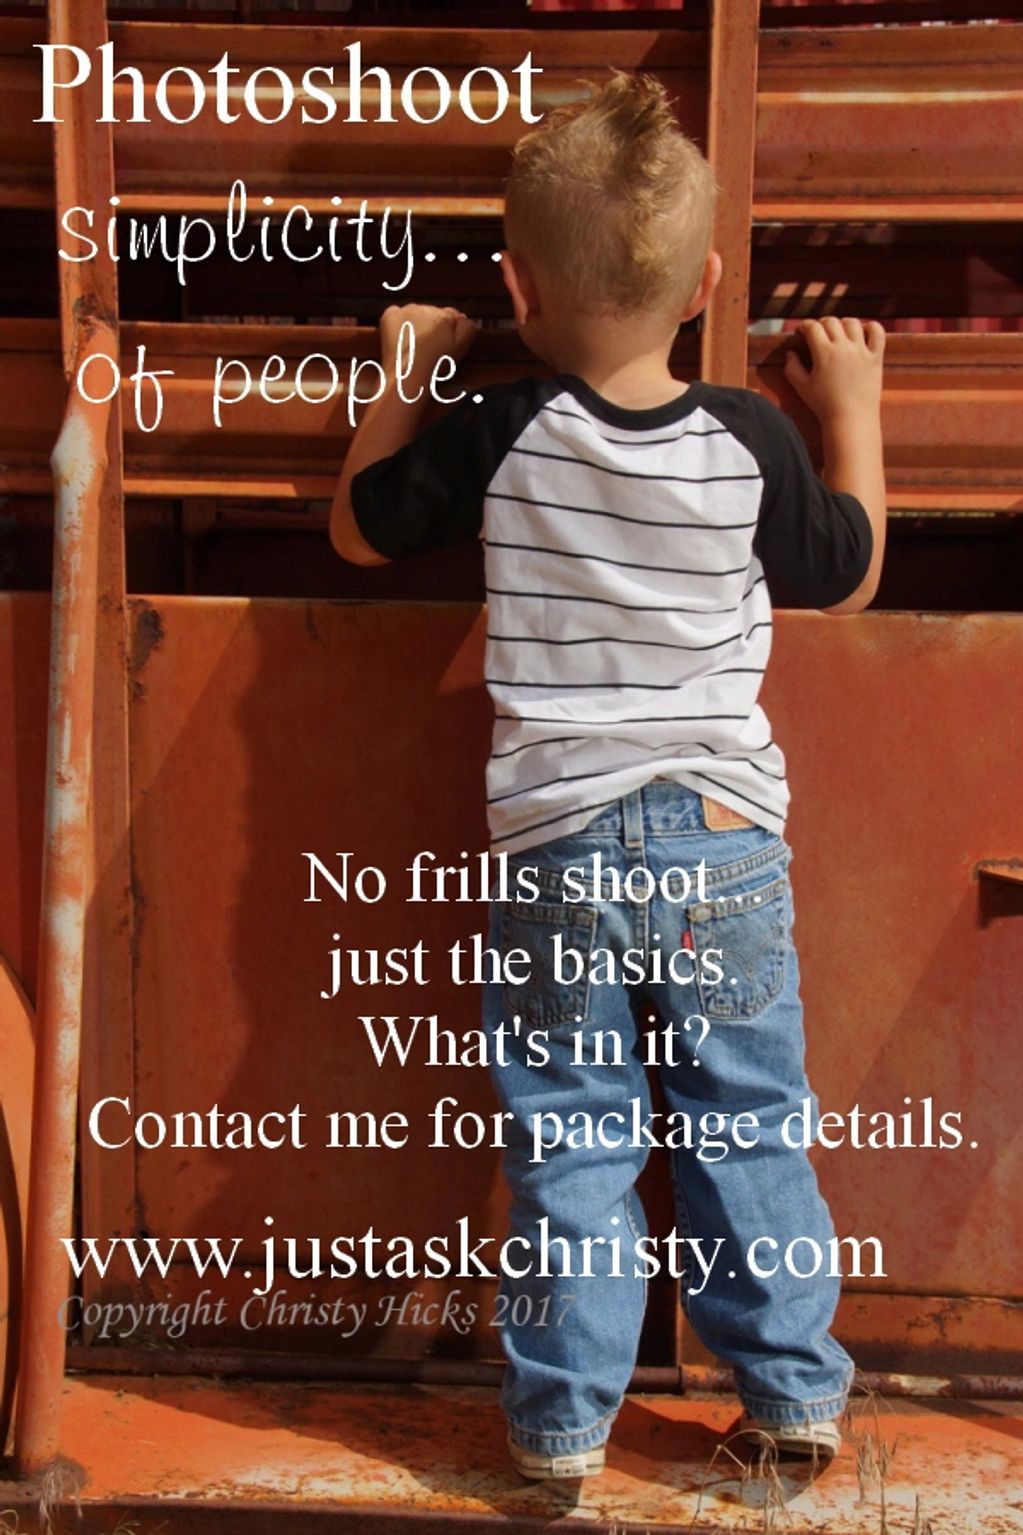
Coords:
pixel 851 123
pixel 951 410
pixel 256 1365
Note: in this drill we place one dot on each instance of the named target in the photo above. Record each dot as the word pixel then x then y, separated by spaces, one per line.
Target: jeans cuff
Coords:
pixel 773 1410
pixel 563 1441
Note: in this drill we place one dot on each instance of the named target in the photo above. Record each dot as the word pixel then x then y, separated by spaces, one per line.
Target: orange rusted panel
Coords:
pixel 900 122
pixel 925 1335
pixel 265 730
pixel 354 761
pixel 904 733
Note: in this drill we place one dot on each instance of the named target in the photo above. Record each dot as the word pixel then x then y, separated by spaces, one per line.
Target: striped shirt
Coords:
pixel 632 558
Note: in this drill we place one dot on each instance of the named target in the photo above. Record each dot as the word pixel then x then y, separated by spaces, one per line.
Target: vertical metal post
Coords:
pixel 79 466
pixel 83 162
pixel 86 633
pixel 731 137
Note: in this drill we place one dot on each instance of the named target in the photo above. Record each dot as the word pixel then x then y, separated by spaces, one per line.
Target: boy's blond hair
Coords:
pixel 612 200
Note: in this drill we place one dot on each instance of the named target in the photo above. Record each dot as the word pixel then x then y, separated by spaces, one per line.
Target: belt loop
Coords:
pixel 632 815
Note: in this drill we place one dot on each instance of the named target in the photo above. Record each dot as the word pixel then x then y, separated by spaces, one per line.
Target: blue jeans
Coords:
pixel 571 1337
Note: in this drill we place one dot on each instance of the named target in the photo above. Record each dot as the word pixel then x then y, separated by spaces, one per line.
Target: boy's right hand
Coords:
pixel 846 357
pixel 438 333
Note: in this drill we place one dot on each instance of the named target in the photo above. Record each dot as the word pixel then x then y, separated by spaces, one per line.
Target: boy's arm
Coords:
pixel 844 392
pixel 389 422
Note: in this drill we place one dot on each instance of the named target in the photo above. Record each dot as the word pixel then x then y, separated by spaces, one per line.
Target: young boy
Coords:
pixel 636 535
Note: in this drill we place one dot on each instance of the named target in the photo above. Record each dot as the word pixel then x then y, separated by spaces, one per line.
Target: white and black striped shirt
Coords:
pixel 632 558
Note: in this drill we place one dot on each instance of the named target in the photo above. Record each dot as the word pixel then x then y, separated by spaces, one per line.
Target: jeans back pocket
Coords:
pixel 543 1001
pixel 752 931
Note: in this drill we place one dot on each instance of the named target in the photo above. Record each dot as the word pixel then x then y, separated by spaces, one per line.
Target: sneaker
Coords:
pixel 817 1439
pixel 538 1466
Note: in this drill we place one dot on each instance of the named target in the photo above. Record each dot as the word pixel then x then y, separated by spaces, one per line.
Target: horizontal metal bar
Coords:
pixel 892 122
pixel 192 164
pixel 903 123
pixel 231 486
pixel 951 409
pixel 904 208
pixel 269 1365
pixel 982 1388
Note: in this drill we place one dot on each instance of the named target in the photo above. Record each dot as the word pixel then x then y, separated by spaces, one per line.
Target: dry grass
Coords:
pixel 864 1425
pixel 874 1453
pixel 921 1526
pixel 10 1523
pixel 763 1469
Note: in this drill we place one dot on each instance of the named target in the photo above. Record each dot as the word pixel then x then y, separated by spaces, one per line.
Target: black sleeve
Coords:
pixel 814 543
pixel 430 492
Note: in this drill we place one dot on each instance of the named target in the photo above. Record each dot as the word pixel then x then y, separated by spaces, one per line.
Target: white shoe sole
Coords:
pixel 822 1440
pixel 540 1467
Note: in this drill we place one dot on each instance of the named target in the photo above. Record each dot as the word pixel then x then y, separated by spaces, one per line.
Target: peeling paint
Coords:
pixel 146 636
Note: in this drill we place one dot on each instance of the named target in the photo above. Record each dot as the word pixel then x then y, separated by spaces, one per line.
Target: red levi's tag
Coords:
pixel 718 817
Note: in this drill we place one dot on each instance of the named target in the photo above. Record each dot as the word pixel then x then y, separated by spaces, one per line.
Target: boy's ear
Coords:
pixel 712 269
pixel 521 288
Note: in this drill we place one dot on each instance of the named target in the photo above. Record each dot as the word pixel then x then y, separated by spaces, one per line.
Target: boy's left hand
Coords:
pixel 847 358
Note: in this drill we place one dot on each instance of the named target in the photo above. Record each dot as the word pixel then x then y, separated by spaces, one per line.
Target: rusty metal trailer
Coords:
pixel 194 693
